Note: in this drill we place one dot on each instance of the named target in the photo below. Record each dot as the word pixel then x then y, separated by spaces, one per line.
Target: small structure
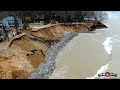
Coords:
pixel 90 18
pixel 11 21
pixel 38 19
pixel 11 26
pixel 41 22
pixel 2 33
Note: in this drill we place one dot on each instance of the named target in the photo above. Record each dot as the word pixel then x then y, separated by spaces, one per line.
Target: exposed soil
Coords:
pixel 14 62
pixel 26 44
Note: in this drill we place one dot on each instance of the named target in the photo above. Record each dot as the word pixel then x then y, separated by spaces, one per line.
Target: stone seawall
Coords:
pixel 45 70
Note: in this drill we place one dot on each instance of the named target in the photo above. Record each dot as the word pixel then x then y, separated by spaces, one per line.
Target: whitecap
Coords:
pixel 101 70
pixel 107 45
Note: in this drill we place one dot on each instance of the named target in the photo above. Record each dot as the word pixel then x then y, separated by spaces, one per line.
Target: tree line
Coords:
pixel 61 16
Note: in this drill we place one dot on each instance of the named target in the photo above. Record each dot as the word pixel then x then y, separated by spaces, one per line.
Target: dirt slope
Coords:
pixel 14 64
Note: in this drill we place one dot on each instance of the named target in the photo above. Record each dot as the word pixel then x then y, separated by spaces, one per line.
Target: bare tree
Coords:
pixel 68 16
pixel 101 15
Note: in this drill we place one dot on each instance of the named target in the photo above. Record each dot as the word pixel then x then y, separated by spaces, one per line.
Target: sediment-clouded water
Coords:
pixel 90 54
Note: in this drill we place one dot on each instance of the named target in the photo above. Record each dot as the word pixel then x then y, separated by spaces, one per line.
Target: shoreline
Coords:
pixel 45 70
pixel 73 63
pixel 44 39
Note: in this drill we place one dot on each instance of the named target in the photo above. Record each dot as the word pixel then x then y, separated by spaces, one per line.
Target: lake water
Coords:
pixel 90 54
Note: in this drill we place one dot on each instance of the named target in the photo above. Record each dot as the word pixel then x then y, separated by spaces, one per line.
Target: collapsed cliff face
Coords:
pixel 14 68
pixel 25 44
pixel 14 62
pixel 13 65
pixel 55 32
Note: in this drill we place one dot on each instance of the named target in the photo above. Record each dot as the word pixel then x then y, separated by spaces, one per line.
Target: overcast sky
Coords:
pixel 114 14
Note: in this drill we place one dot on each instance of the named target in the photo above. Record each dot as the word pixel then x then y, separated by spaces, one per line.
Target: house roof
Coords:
pixel 39 17
pixel 10 20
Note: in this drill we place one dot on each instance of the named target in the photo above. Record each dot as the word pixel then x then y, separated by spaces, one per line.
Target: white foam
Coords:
pixel 107 45
pixel 101 70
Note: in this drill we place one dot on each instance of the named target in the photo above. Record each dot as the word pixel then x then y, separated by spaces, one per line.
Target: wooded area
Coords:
pixel 61 16
pixel 22 18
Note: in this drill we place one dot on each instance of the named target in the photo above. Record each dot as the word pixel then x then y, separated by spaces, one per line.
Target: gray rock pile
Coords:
pixel 45 70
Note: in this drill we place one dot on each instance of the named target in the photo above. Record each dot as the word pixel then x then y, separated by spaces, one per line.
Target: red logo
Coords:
pixel 107 74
